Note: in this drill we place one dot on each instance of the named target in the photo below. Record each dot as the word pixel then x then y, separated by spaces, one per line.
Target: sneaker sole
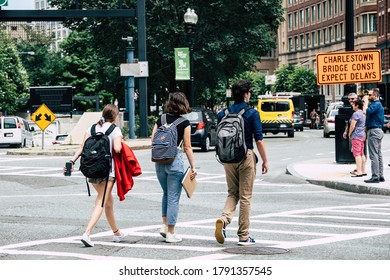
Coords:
pixel 218 231
pixel 86 243
pixel 246 243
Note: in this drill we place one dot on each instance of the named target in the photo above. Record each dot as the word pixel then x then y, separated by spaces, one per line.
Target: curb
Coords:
pixel 355 188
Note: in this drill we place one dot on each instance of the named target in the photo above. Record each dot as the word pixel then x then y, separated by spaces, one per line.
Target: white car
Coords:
pixel 329 123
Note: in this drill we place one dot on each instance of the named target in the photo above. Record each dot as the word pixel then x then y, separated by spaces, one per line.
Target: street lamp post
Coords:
pixel 190 19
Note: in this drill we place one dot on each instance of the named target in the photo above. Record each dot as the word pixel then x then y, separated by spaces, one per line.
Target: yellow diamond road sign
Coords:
pixel 43 117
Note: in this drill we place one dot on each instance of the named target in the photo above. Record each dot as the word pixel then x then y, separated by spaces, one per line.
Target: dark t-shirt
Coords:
pixel 180 127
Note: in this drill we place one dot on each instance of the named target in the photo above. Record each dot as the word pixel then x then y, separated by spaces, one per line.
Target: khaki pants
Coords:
pixel 240 178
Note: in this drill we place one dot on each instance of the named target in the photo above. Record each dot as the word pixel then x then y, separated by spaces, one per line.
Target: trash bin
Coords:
pixel 343 149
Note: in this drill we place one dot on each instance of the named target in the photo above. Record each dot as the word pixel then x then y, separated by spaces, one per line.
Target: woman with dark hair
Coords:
pixel 109 116
pixel 170 175
pixel 357 136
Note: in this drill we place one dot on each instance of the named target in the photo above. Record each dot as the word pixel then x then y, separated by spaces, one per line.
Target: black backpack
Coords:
pixel 96 157
pixel 231 146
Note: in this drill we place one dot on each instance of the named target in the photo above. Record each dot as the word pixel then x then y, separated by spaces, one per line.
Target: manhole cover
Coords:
pixel 255 250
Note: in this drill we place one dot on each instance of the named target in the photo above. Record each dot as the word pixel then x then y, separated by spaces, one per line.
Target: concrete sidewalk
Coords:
pixel 326 172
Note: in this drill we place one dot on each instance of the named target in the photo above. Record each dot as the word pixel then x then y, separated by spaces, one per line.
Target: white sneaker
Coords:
pixel 86 240
pixel 164 230
pixel 119 238
pixel 172 238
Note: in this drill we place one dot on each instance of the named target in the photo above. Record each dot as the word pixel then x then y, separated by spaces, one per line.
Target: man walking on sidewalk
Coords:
pixel 374 123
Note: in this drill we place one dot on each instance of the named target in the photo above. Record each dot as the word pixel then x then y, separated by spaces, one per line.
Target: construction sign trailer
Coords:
pixel 349 67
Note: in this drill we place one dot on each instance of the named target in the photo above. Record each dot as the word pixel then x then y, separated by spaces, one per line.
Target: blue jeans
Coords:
pixel 169 176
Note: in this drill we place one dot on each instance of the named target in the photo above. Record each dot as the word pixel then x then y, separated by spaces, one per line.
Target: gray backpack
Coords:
pixel 231 147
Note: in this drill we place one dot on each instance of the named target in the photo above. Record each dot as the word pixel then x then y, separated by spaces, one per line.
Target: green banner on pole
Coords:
pixel 3 2
pixel 182 64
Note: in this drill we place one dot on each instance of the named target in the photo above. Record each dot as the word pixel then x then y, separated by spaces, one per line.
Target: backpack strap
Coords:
pixel 163 119
pixel 93 129
pixel 244 110
pixel 179 121
pixel 110 129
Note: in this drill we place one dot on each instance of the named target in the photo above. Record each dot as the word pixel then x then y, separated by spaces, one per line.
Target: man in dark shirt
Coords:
pixel 240 176
pixel 374 123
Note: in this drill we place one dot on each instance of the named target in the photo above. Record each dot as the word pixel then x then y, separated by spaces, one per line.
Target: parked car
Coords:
pixel 385 122
pixel 60 139
pixel 203 128
pixel 329 123
pixel 299 121
pixel 15 131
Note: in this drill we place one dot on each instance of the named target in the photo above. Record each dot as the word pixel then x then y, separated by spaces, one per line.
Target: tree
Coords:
pixel 13 77
pixel 303 80
pixel 225 45
pixel 282 77
pixel 45 66
pixel 295 79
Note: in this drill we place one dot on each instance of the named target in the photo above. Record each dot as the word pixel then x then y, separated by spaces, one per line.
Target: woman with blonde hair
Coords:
pixel 109 117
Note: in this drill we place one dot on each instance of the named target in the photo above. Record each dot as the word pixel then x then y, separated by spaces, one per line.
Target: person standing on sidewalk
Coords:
pixel 357 136
pixel 240 176
pixel 109 116
pixel 374 123
pixel 170 175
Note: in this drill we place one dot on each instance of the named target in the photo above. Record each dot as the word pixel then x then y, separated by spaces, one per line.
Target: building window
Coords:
pixel 307 40
pixel 318 37
pixel 369 23
pixel 318 12
pixel 388 22
pixel 324 35
pixel 313 13
pixel 296 43
pixel 301 18
pixel 336 33
pixel 302 42
pixel 336 7
pixel 290 46
pixel 330 34
pixel 330 12
pixel 341 30
pixel 295 20
pixel 324 9
pixel 289 21
pixel 313 38
pixel 357 25
pixel 307 16
pixel 341 6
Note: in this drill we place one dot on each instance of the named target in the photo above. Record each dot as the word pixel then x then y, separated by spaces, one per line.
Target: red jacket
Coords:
pixel 126 166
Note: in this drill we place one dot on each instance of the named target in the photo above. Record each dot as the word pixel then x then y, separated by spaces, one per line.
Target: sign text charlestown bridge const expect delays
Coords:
pixel 349 67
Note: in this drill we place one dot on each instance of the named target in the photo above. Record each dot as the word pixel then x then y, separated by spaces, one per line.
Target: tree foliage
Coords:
pixel 295 79
pixel 230 37
pixel 13 77
pixel 45 66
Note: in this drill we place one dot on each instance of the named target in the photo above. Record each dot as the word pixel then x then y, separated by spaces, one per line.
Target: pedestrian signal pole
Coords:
pixel 130 106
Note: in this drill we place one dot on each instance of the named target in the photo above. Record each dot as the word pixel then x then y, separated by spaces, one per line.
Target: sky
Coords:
pixel 19 5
